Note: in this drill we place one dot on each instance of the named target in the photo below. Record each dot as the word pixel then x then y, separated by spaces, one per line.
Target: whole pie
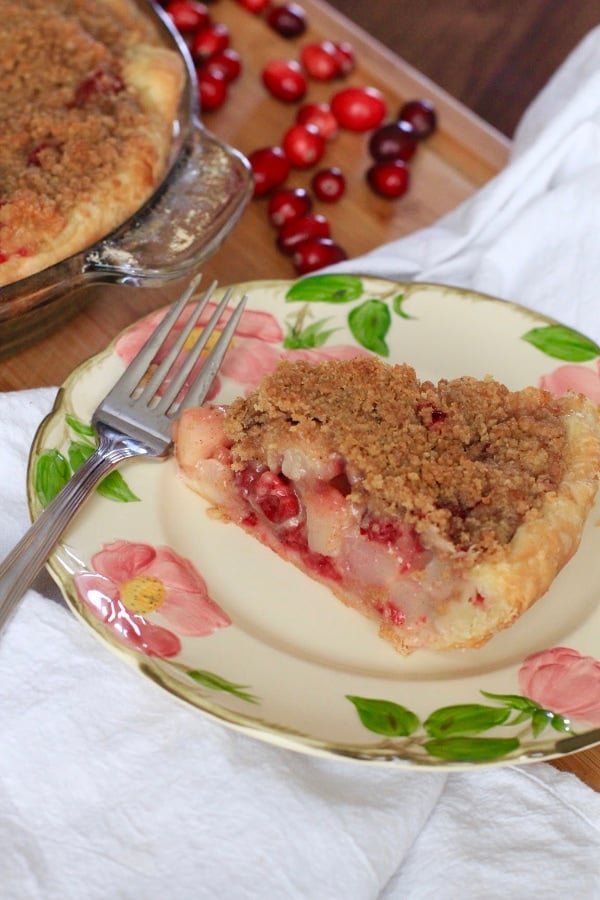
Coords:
pixel 88 100
pixel 442 511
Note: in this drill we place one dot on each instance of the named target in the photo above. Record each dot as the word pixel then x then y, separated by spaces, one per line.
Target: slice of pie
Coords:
pixel 88 102
pixel 442 512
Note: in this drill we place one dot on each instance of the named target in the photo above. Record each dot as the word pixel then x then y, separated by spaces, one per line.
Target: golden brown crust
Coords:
pixel 87 99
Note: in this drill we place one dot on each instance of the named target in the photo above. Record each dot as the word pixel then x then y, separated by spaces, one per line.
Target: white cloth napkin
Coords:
pixel 111 789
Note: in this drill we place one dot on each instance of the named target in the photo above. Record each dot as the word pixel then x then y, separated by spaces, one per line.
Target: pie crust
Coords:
pixel 88 102
pixel 443 512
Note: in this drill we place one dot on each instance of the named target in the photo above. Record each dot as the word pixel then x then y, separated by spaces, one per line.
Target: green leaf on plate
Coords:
pixel 78 453
pixel 563 343
pixel 369 324
pixel 312 336
pixel 216 683
pixel 464 749
pixel 466 718
pixel 113 486
pixel 514 701
pixel 385 717
pixel 397 307
pixel 52 471
pixel 325 289
pixel 79 427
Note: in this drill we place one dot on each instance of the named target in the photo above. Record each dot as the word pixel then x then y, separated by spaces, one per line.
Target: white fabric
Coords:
pixel 110 789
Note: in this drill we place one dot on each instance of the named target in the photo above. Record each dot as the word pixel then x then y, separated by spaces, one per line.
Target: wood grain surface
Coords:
pixel 451 166
pixel 492 55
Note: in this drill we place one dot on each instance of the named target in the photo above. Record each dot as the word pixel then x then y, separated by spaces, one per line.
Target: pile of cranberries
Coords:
pixel 302 233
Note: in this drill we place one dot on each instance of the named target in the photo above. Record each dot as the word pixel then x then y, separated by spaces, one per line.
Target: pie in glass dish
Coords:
pixel 441 511
pixel 88 101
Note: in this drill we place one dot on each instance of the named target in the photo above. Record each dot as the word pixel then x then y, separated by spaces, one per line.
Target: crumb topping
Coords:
pixel 68 118
pixel 466 457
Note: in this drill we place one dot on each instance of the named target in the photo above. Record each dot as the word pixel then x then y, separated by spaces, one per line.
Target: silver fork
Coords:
pixel 134 419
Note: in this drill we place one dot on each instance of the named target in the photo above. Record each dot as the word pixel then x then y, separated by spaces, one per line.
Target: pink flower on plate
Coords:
pixel 134 583
pixel 254 352
pixel 564 681
pixel 579 379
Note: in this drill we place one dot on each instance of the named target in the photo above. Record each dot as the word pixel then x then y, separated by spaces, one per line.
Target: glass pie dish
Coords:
pixel 202 195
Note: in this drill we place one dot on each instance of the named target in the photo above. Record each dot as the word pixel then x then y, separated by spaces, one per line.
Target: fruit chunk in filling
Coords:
pixel 424 507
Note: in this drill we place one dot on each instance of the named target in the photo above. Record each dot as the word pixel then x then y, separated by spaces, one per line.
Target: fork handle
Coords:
pixel 28 557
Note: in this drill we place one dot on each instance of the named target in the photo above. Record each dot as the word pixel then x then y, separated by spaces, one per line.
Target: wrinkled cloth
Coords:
pixel 111 789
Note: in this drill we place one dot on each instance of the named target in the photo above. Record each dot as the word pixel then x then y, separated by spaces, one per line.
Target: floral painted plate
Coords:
pixel 212 616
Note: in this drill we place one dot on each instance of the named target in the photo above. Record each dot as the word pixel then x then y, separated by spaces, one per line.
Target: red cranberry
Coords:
pixel 304 145
pixel 288 20
pixel 319 115
pixel 315 253
pixel 254 6
pixel 208 41
pixel 187 15
pixel 276 497
pixel 396 140
pixel 288 204
pixel 421 115
pixel 320 60
pixel 102 82
pixel 359 108
pixel 284 79
pixel 298 230
pixel 389 179
pixel 329 185
pixel 345 55
pixel 270 168
pixel 212 88
pixel 228 62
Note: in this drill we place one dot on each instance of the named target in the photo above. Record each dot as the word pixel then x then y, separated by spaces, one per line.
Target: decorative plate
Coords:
pixel 212 616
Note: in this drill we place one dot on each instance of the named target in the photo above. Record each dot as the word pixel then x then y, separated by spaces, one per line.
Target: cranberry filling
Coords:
pixel 273 497
pixel 101 82
pixel 403 540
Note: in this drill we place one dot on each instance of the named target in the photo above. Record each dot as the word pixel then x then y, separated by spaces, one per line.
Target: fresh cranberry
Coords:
pixel 359 108
pixel 209 40
pixel 396 140
pixel 288 204
pixel 288 20
pixel 270 168
pixel 345 56
pixel 389 179
pixel 320 60
pixel 228 62
pixel 285 80
pixel 329 184
pixel 212 88
pixel 187 15
pixel 254 6
pixel 421 115
pixel 294 232
pixel 304 145
pixel 315 253
pixel 319 115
